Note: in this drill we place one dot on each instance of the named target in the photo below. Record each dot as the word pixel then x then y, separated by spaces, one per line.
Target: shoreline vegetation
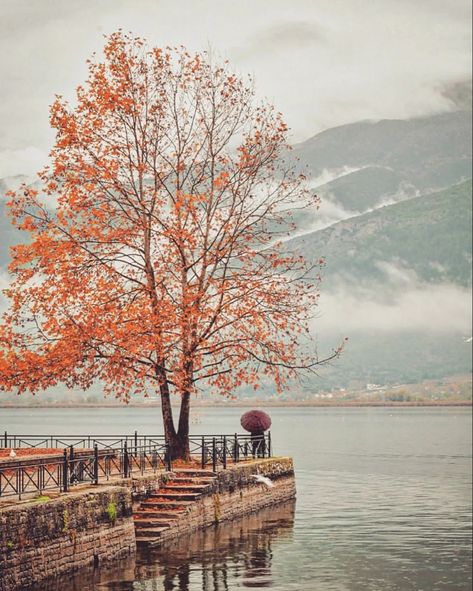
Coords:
pixel 255 403
pixel 449 391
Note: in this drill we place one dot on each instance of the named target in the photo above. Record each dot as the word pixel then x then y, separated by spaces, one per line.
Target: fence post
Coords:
pixel 246 450
pixel 154 460
pixel 269 445
pixel 235 449
pixel 202 453
pixel 125 460
pixel 65 470
pixel 168 457
pixel 224 452
pixel 40 478
pixel 96 464
pixel 6 440
pixel 71 464
pixel 136 442
pixel 214 455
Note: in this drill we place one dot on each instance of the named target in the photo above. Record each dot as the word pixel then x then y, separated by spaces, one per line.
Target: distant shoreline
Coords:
pixel 259 403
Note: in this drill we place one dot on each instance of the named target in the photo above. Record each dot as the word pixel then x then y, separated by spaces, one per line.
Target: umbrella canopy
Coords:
pixel 255 421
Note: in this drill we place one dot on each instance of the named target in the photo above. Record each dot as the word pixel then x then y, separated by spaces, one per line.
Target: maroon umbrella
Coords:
pixel 255 421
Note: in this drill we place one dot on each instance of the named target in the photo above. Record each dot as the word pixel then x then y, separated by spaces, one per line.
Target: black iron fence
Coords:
pixel 74 466
pixel 219 450
pixel 92 459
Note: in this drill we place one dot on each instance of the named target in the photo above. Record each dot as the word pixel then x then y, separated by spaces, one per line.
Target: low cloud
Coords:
pixel 282 37
pixel 26 161
pixel 328 175
pixel 4 283
pixel 436 309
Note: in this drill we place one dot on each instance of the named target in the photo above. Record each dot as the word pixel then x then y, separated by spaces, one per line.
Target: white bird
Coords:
pixel 12 453
pixel 468 340
pixel 263 480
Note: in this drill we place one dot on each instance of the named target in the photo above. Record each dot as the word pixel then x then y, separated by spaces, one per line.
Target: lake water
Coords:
pixel 384 504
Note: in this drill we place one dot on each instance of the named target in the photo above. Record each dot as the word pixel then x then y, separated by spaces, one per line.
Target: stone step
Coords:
pixel 161 509
pixel 188 480
pixel 196 473
pixel 150 531
pixel 165 504
pixel 185 488
pixel 152 513
pixel 144 523
pixel 148 540
pixel 175 496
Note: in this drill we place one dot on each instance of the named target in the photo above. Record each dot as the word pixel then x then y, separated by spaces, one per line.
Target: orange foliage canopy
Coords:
pixel 153 255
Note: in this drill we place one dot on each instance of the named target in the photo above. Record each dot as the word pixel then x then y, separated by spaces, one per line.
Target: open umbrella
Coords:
pixel 255 421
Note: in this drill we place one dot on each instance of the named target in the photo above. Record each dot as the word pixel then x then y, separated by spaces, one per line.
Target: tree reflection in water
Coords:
pixel 210 560
pixel 235 553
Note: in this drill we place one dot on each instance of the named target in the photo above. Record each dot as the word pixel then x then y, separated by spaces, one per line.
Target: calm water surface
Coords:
pixel 384 504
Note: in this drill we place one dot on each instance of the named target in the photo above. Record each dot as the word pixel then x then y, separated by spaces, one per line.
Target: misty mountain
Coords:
pixel 373 161
pixel 395 230
pixel 397 282
pixel 8 234
pixel 429 236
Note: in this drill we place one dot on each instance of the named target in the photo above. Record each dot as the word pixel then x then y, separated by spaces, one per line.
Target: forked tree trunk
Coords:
pixel 182 439
pixel 178 441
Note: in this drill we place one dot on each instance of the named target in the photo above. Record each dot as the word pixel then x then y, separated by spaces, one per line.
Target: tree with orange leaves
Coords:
pixel 158 266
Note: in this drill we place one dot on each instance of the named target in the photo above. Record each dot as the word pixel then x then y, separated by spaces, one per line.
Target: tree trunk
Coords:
pixel 168 422
pixel 179 447
pixel 178 441
pixel 166 409
pixel 182 438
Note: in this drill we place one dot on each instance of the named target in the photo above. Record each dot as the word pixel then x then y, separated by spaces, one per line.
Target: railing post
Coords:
pixel 224 452
pixel 40 478
pixel 168 457
pixel 71 464
pixel 246 450
pixel 125 460
pixel 65 472
pixel 235 449
pixel 154 460
pixel 214 455
pixel 6 440
pixel 202 450
pixel 136 442
pixel 96 464
pixel 270 451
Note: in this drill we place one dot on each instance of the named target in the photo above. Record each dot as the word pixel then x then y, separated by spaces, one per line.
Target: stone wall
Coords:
pixel 47 537
pixel 236 492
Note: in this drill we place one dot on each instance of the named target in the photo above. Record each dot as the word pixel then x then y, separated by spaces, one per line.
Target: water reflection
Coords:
pixel 384 504
pixel 217 558
pixel 236 553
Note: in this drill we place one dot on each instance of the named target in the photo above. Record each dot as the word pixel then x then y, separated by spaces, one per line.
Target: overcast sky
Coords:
pixel 322 62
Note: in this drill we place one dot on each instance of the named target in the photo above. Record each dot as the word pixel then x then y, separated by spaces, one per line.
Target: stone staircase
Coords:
pixel 161 510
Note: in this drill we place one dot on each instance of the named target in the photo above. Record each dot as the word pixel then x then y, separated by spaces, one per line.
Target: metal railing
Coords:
pixel 93 459
pixel 220 449
pixel 20 476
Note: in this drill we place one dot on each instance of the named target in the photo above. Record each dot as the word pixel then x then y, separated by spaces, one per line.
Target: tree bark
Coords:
pixel 178 441
pixel 182 438
pixel 166 409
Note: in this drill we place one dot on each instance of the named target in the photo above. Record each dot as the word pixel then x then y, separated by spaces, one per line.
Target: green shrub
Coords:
pixel 112 512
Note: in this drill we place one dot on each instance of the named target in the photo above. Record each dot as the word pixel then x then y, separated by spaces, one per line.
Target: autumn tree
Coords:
pixel 153 260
